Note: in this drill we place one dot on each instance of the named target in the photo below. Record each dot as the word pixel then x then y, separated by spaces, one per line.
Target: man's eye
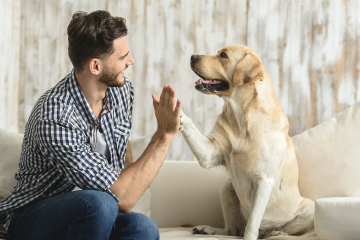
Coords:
pixel 223 55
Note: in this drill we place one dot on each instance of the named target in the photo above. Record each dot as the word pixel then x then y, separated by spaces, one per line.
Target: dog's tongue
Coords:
pixel 201 81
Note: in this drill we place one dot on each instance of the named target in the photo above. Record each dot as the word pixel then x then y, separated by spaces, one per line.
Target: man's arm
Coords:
pixel 136 178
pixel 128 157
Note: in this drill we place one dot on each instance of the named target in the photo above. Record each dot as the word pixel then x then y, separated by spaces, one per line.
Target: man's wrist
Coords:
pixel 163 136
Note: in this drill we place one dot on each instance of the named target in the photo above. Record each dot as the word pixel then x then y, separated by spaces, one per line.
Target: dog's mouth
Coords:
pixel 214 85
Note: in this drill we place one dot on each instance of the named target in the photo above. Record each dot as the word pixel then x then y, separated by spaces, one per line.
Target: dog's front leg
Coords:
pixel 260 197
pixel 205 151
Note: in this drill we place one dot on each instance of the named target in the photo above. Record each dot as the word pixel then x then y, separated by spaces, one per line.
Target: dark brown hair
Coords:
pixel 92 35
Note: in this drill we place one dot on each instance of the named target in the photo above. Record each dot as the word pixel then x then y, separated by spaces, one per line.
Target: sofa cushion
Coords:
pixel 184 192
pixel 329 157
pixel 138 145
pixel 10 149
pixel 337 218
pixel 143 204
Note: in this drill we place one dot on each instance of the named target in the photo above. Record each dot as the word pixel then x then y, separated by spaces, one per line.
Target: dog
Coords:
pixel 250 138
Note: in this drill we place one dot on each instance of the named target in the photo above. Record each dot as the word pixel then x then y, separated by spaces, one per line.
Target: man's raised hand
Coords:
pixel 167 112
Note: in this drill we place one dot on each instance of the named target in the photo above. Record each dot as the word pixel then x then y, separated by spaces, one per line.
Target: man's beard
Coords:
pixel 111 79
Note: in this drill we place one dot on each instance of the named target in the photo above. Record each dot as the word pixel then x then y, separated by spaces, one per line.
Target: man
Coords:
pixel 76 138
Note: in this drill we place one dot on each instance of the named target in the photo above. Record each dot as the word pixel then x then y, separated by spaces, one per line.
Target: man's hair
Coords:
pixel 92 35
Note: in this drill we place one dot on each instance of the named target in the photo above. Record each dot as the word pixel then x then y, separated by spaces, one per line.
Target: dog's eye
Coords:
pixel 223 55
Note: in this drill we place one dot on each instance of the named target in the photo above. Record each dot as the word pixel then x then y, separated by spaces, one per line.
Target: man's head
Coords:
pixel 97 43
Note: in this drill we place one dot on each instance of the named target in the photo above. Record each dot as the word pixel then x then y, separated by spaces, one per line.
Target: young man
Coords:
pixel 76 138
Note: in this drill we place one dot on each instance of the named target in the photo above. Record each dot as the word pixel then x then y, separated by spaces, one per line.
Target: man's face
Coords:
pixel 115 65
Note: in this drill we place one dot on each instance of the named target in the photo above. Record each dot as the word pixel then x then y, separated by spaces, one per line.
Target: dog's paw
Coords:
pixel 184 120
pixel 274 233
pixel 204 229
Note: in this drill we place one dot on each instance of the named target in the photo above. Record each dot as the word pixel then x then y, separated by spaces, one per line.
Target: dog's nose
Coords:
pixel 194 57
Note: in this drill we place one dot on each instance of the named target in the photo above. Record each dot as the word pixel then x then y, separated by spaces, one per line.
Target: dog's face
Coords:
pixel 231 67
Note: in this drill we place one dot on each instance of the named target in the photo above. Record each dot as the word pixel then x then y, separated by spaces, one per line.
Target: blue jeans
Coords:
pixel 87 214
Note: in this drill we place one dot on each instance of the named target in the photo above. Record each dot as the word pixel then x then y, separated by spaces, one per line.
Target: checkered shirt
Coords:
pixel 58 150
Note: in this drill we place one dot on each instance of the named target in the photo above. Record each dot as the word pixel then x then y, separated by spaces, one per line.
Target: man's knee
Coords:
pixel 145 227
pixel 99 206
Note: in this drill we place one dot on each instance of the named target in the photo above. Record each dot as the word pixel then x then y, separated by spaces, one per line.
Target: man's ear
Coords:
pixel 249 69
pixel 94 66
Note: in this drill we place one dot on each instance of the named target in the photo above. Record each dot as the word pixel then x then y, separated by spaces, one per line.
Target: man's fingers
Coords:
pixel 155 98
pixel 172 98
pixel 167 96
pixel 162 96
pixel 155 101
pixel 178 107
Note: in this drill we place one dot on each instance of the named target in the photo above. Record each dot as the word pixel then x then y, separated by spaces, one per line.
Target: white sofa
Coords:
pixel 183 192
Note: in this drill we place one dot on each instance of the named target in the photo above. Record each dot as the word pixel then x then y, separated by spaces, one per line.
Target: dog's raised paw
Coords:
pixel 204 229
pixel 183 120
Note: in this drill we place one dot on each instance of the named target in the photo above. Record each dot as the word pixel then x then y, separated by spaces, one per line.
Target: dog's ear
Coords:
pixel 249 69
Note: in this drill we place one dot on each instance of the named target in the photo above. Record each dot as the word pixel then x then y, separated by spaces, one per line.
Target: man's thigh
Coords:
pixel 72 215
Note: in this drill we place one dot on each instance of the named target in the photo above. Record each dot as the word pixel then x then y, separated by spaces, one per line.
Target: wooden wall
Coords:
pixel 310 48
pixel 9 63
pixel 312 51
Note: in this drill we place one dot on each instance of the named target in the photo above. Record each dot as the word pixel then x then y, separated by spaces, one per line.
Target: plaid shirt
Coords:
pixel 58 150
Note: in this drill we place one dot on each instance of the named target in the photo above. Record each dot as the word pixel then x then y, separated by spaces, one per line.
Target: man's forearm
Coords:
pixel 134 179
pixel 128 156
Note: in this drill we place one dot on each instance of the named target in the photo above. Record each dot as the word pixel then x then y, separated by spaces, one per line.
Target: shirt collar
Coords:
pixel 81 102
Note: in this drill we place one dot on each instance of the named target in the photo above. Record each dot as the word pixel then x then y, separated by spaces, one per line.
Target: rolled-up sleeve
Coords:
pixel 68 150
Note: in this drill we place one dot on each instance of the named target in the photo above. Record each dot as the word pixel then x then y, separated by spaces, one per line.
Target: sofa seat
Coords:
pixel 338 218
pixel 181 233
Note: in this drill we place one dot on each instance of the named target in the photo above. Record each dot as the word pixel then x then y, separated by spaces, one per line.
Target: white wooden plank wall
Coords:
pixel 310 48
pixel 9 62
pixel 163 36
pixel 312 51
pixel 44 60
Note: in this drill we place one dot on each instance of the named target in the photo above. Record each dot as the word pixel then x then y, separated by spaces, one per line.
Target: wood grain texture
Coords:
pixel 44 60
pixel 310 48
pixel 9 62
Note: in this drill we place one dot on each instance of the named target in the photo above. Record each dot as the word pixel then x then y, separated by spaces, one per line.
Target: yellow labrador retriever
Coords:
pixel 250 137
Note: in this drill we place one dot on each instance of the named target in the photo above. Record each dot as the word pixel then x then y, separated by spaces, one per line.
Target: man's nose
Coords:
pixel 132 61
pixel 194 58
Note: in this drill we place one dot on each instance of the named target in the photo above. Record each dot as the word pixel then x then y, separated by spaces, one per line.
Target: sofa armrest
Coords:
pixel 337 218
pixel 183 192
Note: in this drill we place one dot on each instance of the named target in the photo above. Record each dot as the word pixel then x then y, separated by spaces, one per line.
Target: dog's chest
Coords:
pixel 244 172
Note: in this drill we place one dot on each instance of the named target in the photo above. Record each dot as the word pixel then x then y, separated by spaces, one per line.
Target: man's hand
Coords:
pixel 134 179
pixel 167 112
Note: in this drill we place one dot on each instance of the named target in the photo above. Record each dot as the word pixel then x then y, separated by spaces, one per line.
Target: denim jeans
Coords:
pixel 86 214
